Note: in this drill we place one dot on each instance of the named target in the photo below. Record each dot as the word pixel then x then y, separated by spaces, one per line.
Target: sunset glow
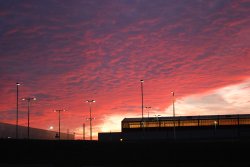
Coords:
pixel 66 52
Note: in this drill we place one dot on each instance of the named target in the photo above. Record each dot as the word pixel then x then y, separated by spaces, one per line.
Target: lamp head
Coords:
pixel 90 101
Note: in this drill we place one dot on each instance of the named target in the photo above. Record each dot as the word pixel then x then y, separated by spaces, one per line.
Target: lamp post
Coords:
pixel 148 107
pixel 157 119
pixel 90 117
pixel 59 122
pixel 174 113
pixel 28 99
pixel 142 101
pixel 17 100
pixel 83 131
pixel 67 134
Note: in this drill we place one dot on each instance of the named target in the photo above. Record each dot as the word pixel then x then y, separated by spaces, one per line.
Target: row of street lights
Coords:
pixel 142 107
pixel 28 99
pixel 83 125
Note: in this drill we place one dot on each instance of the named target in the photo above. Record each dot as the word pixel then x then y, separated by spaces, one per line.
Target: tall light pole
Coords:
pixel 59 122
pixel 67 134
pixel 148 108
pixel 142 100
pixel 28 99
pixel 173 113
pixel 83 131
pixel 17 100
pixel 157 119
pixel 90 117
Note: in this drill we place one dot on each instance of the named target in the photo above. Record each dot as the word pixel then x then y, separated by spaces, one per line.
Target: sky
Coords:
pixel 66 52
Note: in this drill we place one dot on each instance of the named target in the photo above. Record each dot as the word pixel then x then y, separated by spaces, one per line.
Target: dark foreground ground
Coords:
pixel 41 153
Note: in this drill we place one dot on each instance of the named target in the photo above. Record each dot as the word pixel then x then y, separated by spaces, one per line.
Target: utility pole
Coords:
pixel 148 107
pixel 59 122
pixel 90 116
pixel 174 113
pixel 83 131
pixel 142 121
pixel 17 100
pixel 28 99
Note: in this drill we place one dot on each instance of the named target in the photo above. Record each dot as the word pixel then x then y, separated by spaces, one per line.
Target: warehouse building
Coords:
pixel 182 128
pixel 9 131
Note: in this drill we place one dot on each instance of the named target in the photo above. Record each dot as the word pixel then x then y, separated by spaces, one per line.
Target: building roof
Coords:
pixel 195 117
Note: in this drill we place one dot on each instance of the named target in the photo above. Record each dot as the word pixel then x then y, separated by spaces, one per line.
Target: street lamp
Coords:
pixel 174 113
pixel 59 121
pixel 83 131
pixel 157 119
pixel 142 101
pixel 90 117
pixel 28 99
pixel 17 100
pixel 148 108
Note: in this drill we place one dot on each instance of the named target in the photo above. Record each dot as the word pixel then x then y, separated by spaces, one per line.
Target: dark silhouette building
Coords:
pixel 182 128
pixel 9 131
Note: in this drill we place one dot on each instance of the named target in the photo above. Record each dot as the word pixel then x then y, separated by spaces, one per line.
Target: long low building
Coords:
pixel 9 131
pixel 182 127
